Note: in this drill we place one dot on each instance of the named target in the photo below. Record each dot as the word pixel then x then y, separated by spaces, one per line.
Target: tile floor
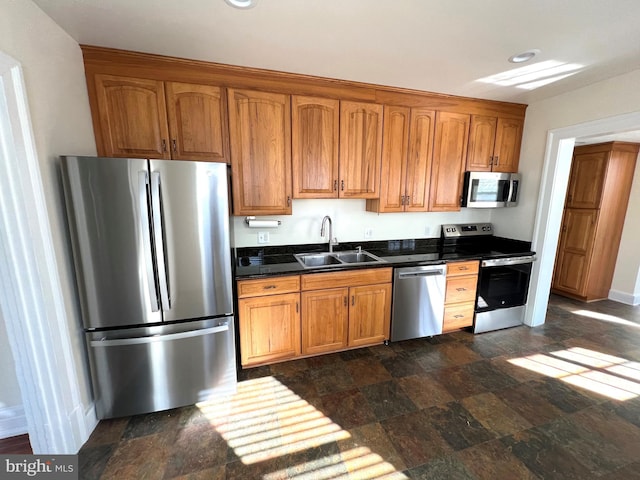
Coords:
pixel 559 401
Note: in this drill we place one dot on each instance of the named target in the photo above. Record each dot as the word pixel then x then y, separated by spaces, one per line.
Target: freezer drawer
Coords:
pixel 149 369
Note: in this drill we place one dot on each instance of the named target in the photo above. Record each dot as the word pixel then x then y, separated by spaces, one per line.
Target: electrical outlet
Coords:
pixel 263 237
pixel 368 233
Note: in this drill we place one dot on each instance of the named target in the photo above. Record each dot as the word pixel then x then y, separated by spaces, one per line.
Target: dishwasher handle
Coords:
pixel 422 273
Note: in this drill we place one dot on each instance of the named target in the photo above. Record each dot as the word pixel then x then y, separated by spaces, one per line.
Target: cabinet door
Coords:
pixel 576 240
pixel 506 153
pixel 325 315
pixel 132 118
pixel 420 159
pixel 586 180
pixel 394 160
pixel 369 314
pixel 197 122
pixel 360 149
pixel 449 153
pixel 314 143
pixel 260 132
pixel 482 135
pixel 269 328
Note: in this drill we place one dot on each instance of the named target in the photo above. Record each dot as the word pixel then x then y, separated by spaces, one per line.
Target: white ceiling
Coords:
pixel 434 45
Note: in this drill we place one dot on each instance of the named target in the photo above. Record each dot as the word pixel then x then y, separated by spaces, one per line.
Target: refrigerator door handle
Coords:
pixel 158 338
pixel 158 232
pixel 145 228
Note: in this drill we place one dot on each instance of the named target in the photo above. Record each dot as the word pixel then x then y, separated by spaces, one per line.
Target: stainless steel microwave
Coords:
pixel 490 189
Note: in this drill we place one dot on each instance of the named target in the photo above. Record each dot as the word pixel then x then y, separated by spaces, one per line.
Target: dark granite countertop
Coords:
pixel 256 262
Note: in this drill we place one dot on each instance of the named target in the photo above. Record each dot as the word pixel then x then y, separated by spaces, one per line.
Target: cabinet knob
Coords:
pixel 335 185
pixel 497 160
pixel 164 145
pixel 174 145
pixel 462 289
pixel 342 185
pixel 353 300
pixel 288 200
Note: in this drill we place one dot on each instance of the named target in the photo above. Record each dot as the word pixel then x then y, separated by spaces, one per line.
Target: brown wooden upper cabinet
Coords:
pixel 407 153
pixel 360 149
pixel 449 152
pixel 260 133
pixel 144 118
pixel 494 144
pixel 315 124
pixel 587 178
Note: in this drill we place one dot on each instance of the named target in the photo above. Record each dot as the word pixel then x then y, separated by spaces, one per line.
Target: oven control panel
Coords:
pixel 466 230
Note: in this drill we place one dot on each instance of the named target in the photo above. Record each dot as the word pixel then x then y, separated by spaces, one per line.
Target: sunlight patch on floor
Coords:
pixel 266 420
pixel 357 463
pixel 605 317
pixel 608 375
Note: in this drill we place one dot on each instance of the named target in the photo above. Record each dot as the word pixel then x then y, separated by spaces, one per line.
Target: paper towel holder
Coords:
pixel 253 223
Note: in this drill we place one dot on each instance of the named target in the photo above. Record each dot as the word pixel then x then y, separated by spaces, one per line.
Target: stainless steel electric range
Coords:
pixel 505 272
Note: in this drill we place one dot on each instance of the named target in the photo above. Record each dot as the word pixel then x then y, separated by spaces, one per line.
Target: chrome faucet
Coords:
pixel 332 241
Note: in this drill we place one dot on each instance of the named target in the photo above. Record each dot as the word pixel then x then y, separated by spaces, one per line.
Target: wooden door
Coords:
pixel 420 159
pixel 482 135
pixel 198 126
pixel 395 150
pixel 449 153
pixel 576 241
pixel 132 117
pixel 314 144
pixel 325 316
pixel 586 180
pixel 269 328
pixel 369 314
pixel 360 149
pixel 506 153
pixel 260 132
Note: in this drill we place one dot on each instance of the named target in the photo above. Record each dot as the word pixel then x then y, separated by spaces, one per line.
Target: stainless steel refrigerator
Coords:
pixel 153 265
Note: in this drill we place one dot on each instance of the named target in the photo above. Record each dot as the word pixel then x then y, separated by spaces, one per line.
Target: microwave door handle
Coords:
pixel 513 187
pixel 158 232
pixel 145 228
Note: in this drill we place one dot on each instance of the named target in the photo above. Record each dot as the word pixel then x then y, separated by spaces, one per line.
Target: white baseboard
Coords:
pixel 624 297
pixel 13 421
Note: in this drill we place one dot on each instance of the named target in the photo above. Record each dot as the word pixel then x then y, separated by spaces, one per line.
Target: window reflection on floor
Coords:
pixel 265 420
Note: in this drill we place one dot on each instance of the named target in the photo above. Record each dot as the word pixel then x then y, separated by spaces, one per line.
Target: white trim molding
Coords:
pixel 553 187
pixel 31 298
pixel 13 421
pixel 624 297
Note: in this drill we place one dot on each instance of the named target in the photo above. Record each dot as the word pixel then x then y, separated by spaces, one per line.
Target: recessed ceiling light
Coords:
pixel 244 4
pixel 524 56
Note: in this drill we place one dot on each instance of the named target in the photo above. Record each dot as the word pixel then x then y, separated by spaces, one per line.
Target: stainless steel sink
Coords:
pixel 336 259
pixel 317 259
pixel 356 257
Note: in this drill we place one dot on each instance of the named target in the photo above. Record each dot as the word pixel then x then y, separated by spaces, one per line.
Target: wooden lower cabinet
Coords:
pixel 269 319
pixel 369 314
pixel 345 309
pixel 282 318
pixel 460 296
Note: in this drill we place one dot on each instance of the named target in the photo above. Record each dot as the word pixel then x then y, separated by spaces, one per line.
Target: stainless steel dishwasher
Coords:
pixel 418 301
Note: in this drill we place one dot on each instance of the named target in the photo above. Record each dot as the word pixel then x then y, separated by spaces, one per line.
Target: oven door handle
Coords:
pixel 498 262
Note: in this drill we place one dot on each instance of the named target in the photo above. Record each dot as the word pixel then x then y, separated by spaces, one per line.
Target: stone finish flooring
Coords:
pixel 559 401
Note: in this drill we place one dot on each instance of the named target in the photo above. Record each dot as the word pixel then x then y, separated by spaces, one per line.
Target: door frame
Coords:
pixel 553 188
pixel 31 297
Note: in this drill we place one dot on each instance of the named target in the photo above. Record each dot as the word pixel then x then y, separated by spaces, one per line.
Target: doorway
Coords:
pixel 553 186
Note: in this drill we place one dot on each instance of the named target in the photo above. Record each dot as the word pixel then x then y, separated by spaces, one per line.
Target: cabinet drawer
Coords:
pixel 348 278
pixel 268 286
pixel 462 268
pixel 461 289
pixel 458 316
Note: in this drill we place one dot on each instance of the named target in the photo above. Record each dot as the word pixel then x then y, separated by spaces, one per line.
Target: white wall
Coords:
pixel 350 220
pixel 58 105
pixel 615 96
pixel 625 285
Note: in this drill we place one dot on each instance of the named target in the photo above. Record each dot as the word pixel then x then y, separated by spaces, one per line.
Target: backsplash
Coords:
pixel 350 224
